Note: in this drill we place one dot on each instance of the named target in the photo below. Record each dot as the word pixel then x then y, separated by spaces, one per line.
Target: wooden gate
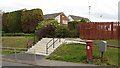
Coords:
pixel 99 30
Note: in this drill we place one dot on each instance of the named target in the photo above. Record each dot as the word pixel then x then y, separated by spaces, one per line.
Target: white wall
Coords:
pixel 65 22
pixel 58 18
pixel 70 19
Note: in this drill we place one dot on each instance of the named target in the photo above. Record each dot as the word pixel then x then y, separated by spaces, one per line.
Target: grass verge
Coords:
pixel 111 42
pixel 14 42
pixel 76 52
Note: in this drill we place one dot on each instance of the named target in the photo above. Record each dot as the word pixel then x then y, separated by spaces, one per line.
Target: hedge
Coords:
pixel 11 22
pixel 30 19
pixel 17 34
pixel 21 20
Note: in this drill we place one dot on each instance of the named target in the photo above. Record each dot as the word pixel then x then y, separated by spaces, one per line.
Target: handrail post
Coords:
pixel 53 43
pixel 46 48
pixel 59 40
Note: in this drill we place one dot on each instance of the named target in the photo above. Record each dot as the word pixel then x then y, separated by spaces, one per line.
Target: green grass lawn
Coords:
pixel 111 42
pixel 77 53
pixel 14 42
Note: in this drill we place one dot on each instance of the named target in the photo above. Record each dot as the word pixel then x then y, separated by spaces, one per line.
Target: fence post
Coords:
pixel 111 30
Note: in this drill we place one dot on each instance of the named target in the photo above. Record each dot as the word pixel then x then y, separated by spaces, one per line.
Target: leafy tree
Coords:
pixel 51 28
pixel 74 27
pixel 47 31
pixel 45 23
pixel 83 20
pixel 62 31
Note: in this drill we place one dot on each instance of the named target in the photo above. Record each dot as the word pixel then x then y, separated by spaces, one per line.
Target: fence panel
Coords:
pixel 98 30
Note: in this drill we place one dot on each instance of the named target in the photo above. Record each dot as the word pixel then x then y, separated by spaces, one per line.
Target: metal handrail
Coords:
pixel 52 43
pixel 49 41
pixel 47 47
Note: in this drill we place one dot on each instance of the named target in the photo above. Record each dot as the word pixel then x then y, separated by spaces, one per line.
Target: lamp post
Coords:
pixel 89 12
pixel 101 17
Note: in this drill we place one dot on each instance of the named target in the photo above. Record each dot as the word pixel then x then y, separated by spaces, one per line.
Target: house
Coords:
pixel 59 17
pixel 77 18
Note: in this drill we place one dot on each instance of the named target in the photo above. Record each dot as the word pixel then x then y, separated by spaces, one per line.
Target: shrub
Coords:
pixel 74 29
pixel 46 23
pixel 21 20
pixel 83 20
pixel 73 25
pixel 73 34
pixel 17 34
pixel 51 28
pixel 47 31
pixel 62 31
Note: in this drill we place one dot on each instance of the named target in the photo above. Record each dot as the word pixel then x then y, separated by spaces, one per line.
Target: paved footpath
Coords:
pixel 59 63
pixel 40 60
pixel 6 63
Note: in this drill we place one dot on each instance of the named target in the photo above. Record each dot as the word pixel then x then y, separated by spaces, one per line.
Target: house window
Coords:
pixel 64 21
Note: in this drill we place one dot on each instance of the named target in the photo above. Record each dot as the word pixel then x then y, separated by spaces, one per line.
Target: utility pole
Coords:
pixel 89 12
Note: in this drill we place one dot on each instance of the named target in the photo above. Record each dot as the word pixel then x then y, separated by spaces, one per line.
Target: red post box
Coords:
pixel 89 50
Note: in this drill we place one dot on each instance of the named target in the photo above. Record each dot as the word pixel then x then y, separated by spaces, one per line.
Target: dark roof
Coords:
pixel 51 16
pixel 77 18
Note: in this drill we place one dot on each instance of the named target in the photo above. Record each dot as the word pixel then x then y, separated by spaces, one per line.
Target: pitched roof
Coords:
pixel 77 18
pixel 51 16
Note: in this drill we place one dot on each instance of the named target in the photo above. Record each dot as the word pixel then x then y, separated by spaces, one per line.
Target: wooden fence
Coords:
pixel 99 30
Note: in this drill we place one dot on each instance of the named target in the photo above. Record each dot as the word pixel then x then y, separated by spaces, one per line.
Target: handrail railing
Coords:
pixel 47 47
pixel 49 41
pixel 52 44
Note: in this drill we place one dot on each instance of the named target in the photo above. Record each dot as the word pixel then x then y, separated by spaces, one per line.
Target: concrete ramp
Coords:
pixel 40 47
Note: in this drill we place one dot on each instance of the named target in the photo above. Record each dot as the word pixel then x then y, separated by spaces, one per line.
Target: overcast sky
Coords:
pixel 101 10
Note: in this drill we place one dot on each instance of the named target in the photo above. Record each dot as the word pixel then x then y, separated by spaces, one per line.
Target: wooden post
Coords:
pixel 111 30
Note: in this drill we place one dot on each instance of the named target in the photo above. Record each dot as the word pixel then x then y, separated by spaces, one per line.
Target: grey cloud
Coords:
pixel 105 15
